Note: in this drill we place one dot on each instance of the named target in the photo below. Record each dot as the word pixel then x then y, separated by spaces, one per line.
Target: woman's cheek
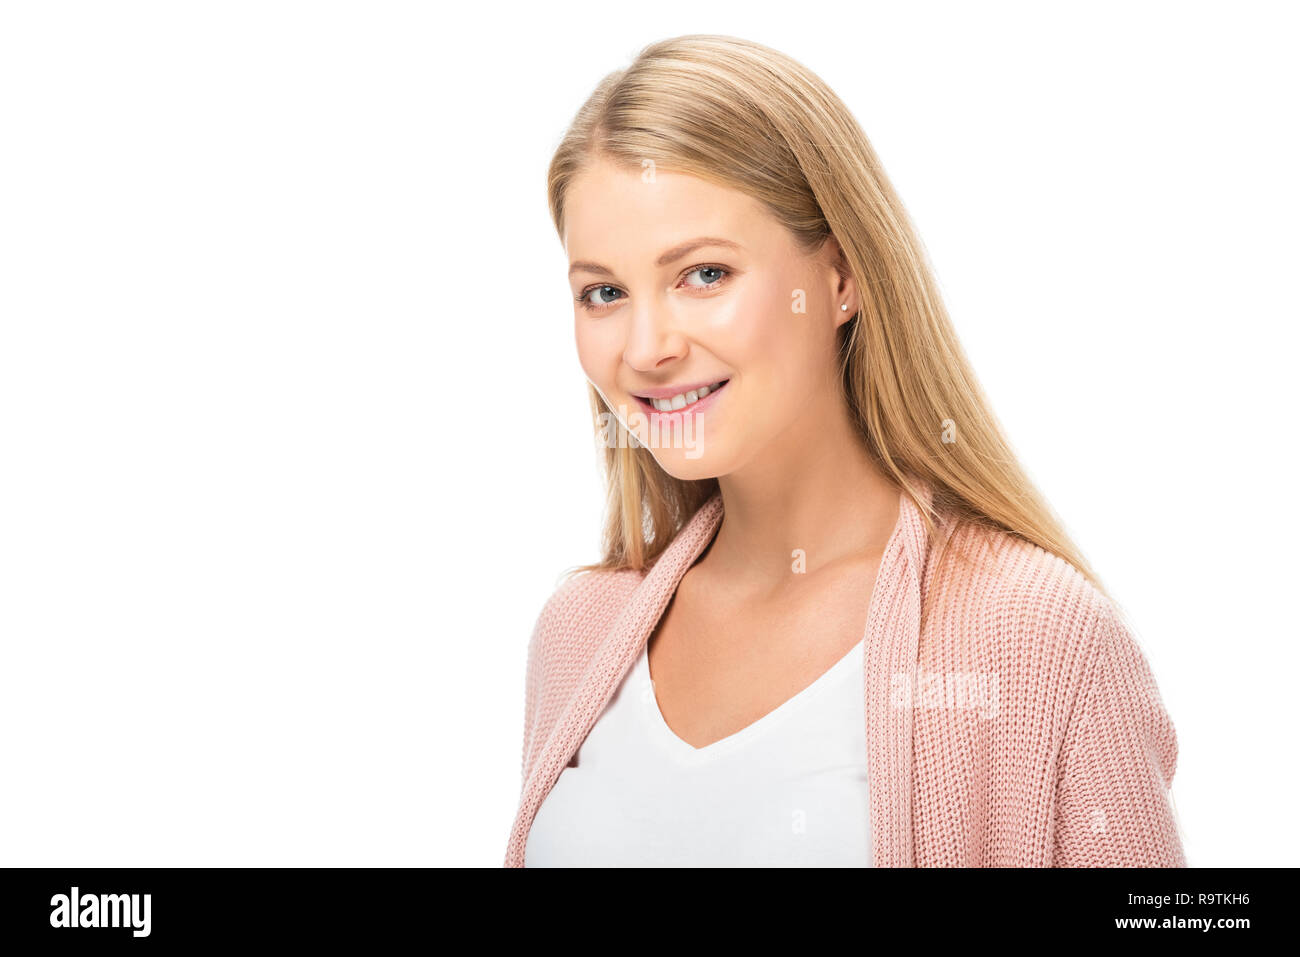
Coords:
pixel 765 315
pixel 598 356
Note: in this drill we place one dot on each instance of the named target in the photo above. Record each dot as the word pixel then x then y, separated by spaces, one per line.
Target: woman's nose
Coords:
pixel 653 339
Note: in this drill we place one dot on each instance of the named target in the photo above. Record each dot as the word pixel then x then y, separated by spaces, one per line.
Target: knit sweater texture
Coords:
pixel 1019 725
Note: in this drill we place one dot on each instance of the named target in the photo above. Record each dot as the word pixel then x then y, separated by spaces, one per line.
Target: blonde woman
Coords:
pixel 834 623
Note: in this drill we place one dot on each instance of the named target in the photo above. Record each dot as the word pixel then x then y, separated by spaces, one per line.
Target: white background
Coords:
pixel 294 443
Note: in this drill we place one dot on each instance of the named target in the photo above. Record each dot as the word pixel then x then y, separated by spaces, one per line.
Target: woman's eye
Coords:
pixel 600 292
pixel 714 274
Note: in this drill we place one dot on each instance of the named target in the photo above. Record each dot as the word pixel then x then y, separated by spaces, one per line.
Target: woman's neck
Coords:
pixel 815 493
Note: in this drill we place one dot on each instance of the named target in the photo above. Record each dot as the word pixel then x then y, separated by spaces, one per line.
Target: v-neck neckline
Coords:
pixel 687 753
pixel 890 658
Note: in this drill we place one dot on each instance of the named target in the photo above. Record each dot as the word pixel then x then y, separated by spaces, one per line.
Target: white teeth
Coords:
pixel 684 399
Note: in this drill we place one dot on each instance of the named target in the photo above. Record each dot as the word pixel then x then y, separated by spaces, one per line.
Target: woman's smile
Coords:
pixel 689 400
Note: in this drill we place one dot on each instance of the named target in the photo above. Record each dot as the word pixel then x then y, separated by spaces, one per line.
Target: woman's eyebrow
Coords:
pixel 688 247
pixel 667 258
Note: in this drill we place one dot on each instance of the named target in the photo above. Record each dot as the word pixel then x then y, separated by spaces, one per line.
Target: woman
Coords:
pixel 888 652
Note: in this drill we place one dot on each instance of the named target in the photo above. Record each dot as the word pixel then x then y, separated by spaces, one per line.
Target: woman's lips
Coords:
pixel 695 408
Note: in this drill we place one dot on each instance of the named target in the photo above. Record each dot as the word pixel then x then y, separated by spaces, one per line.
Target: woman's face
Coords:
pixel 680 285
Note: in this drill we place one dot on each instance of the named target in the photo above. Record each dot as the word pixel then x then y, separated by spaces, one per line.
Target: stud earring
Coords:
pixel 844 307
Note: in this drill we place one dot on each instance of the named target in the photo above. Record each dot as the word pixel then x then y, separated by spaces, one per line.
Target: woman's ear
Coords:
pixel 844 293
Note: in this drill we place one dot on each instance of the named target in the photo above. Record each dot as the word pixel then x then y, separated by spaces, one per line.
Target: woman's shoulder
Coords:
pixel 581 609
pixel 1022 597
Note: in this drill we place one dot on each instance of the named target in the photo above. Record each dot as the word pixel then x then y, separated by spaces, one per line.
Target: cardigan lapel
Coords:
pixel 890 650
pixel 890 645
pixel 618 650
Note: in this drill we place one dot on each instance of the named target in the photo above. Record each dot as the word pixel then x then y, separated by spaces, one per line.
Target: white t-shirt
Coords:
pixel 788 790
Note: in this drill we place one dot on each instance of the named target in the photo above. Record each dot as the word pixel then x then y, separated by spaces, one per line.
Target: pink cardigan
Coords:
pixel 1059 752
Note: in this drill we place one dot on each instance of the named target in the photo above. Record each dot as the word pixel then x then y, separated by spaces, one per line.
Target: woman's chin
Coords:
pixel 687 465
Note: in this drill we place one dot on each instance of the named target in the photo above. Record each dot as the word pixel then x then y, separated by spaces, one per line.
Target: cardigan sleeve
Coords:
pixel 1113 807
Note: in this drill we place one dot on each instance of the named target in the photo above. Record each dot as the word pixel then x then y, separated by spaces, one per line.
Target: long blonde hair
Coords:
pixel 744 116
